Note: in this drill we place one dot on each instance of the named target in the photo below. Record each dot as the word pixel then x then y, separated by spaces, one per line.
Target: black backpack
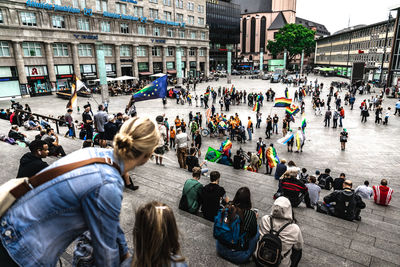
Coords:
pixel 324 184
pixel 269 252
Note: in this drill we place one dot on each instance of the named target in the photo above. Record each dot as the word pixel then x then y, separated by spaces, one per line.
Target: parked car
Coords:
pixel 266 76
pixel 275 78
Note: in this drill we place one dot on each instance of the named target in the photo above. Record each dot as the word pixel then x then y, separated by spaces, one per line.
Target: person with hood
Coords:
pixel 348 204
pixel 382 193
pixel 294 189
pixel 344 135
pixel 291 237
pixel 31 163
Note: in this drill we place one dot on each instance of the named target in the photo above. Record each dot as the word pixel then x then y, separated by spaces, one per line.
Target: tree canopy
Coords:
pixel 294 38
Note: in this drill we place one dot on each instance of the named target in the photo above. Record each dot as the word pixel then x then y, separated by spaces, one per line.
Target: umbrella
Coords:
pixel 158 75
pixel 109 79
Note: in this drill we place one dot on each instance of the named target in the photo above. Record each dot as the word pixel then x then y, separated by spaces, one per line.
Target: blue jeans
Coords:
pixel 340 121
pixel 249 133
pixel 238 256
pixel 204 170
pixel 275 128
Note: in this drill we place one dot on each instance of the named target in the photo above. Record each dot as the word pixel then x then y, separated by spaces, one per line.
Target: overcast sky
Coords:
pixel 335 14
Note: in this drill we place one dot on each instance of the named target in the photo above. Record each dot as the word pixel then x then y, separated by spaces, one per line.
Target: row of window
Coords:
pixel 33 49
pixel 371 58
pixel 378 43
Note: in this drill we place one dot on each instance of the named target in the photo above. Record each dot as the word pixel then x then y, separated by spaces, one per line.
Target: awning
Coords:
pixel 171 71
pixel 158 75
pixel 145 73
pixel 124 78
pixel 109 79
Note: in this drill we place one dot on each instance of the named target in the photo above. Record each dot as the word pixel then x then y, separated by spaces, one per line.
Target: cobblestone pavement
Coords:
pixel 372 153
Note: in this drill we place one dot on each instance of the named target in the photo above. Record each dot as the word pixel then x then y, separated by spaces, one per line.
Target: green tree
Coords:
pixel 294 38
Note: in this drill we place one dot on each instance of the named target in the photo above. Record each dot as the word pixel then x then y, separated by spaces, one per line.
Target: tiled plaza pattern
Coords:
pixel 372 153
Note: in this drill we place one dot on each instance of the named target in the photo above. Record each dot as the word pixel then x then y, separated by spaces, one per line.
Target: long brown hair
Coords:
pixel 155 236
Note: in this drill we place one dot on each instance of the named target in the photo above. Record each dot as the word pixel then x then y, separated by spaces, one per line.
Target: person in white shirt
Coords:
pixel 160 150
pixel 364 191
pixel 313 190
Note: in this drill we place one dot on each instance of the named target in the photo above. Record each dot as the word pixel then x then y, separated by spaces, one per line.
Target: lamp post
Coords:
pixel 229 63
pixel 101 70
pixel 384 48
pixel 261 61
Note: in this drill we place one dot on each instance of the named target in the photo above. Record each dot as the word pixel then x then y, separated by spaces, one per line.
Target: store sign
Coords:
pixel 37 78
pixel 171 23
pixel 86 36
pixel 141 19
pixel 89 74
pixel 129 1
pixel 158 41
pixel 53 7
pixel 65 76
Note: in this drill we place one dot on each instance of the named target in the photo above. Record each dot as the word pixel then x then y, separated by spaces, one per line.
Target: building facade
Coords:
pixel 223 19
pixel 261 20
pixel 363 43
pixel 43 44
pixel 394 64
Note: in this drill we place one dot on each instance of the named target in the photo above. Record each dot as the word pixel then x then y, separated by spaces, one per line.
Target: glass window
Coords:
pixel 167 2
pixel 156 31
pixel 153 13
pixel 125 51
pixel 170 32
pixel 200 21
pixel 179 17
pixel 4 49
pixel 181 34
pixel 98 5
pixel 138 11
pixel 83 4
pixel 108 50
pixel 28 18
pixel 58 22
pixel 142 30
pixel 190 20
pixel 192 52
pixel 83 24
pixel 120 8
pixel 60 50
pixel 124 28
pixel 190 6
pixel 179 4
pixel 104 5
pixel 32 49
pixel 85 50
pixel 105 26
pixel 156 51
pixel 170 51
pixel 193 35
pixel 101 5
pixel 203 35
pixel 167 15
pixel 75 4
pixel 201 52
pixel 200 8
pixel 143 66
pixel 141 51
pixel 1 17
pixel 153 1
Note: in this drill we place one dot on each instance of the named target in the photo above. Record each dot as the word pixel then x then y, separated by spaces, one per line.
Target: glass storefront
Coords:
pixel 38 80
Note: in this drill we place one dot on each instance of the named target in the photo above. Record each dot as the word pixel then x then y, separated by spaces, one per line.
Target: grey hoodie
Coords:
pixel 290 236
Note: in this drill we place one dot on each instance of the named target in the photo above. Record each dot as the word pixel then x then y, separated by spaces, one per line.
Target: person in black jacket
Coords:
pixel 15 134
pixel 294 189
pixel 238 161
pixel 110 129
pixel 280 169
pixel 338 182
pixel 325 180
pixel 348 204
pixel 31 163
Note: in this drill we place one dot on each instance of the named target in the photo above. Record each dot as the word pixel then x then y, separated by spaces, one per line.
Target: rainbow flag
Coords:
pixel 292 110
pixel 260 152
pixel 282 102
pixel 304 92
pixel 256 106
pixel 272 157
pixel 207 93
pixel 232 90
pixel 286 139
pixel 226 147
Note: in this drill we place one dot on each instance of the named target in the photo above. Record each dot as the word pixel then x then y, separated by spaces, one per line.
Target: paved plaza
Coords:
pixel 372 153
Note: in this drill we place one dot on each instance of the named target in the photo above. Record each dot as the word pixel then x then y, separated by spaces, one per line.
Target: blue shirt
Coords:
pixel 38 228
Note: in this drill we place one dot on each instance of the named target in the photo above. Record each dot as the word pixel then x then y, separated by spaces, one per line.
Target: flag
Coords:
pixel 260 152
pixel 298 141
pixel 272 157
pixel 156 89
pixel 213 155
pixel 255 108
pixel 80 85
pixel 303 123
pixel 287 93
pixel 208 115
pixel 207 94
pixel 232 90
pixel 282 102
pixel 72 103
pixel 304 92
pixel 286 139
pixel 292 110
pixel 226 147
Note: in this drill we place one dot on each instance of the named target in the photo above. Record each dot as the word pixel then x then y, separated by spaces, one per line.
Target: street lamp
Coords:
pixel 384 47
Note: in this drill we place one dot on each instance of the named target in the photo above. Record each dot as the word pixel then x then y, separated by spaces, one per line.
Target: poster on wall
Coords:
pixel 23 89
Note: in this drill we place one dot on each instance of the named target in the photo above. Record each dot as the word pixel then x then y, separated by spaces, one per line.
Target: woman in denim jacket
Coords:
pixel 38 228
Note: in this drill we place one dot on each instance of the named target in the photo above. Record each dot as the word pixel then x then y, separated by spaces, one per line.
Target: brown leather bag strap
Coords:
pixel 50 174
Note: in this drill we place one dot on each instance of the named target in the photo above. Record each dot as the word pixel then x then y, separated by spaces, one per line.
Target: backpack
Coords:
pixel 323 184
pixel 183 203
pixel 228 234
pixel 304 178
pixel 335 115
pixel 269 247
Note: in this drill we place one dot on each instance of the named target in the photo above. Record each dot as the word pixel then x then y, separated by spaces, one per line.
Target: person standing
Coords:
pixel 249 128
pixel 172 135
pixel 160 150
pixel 181 147
pixel 352 100
pixel 258 116
pixel 197 142
pixel 364 113
pixel 328 116
pixel 87 122
pixel 387 115
pixel 213 196
pixel 343 139
pixel 100 119
pixel 269 127
pixel 70 123
pixel 284 127
pixel 275 120
pixel 341 116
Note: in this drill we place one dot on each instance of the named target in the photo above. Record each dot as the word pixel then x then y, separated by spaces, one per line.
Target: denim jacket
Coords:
pixel 38 228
